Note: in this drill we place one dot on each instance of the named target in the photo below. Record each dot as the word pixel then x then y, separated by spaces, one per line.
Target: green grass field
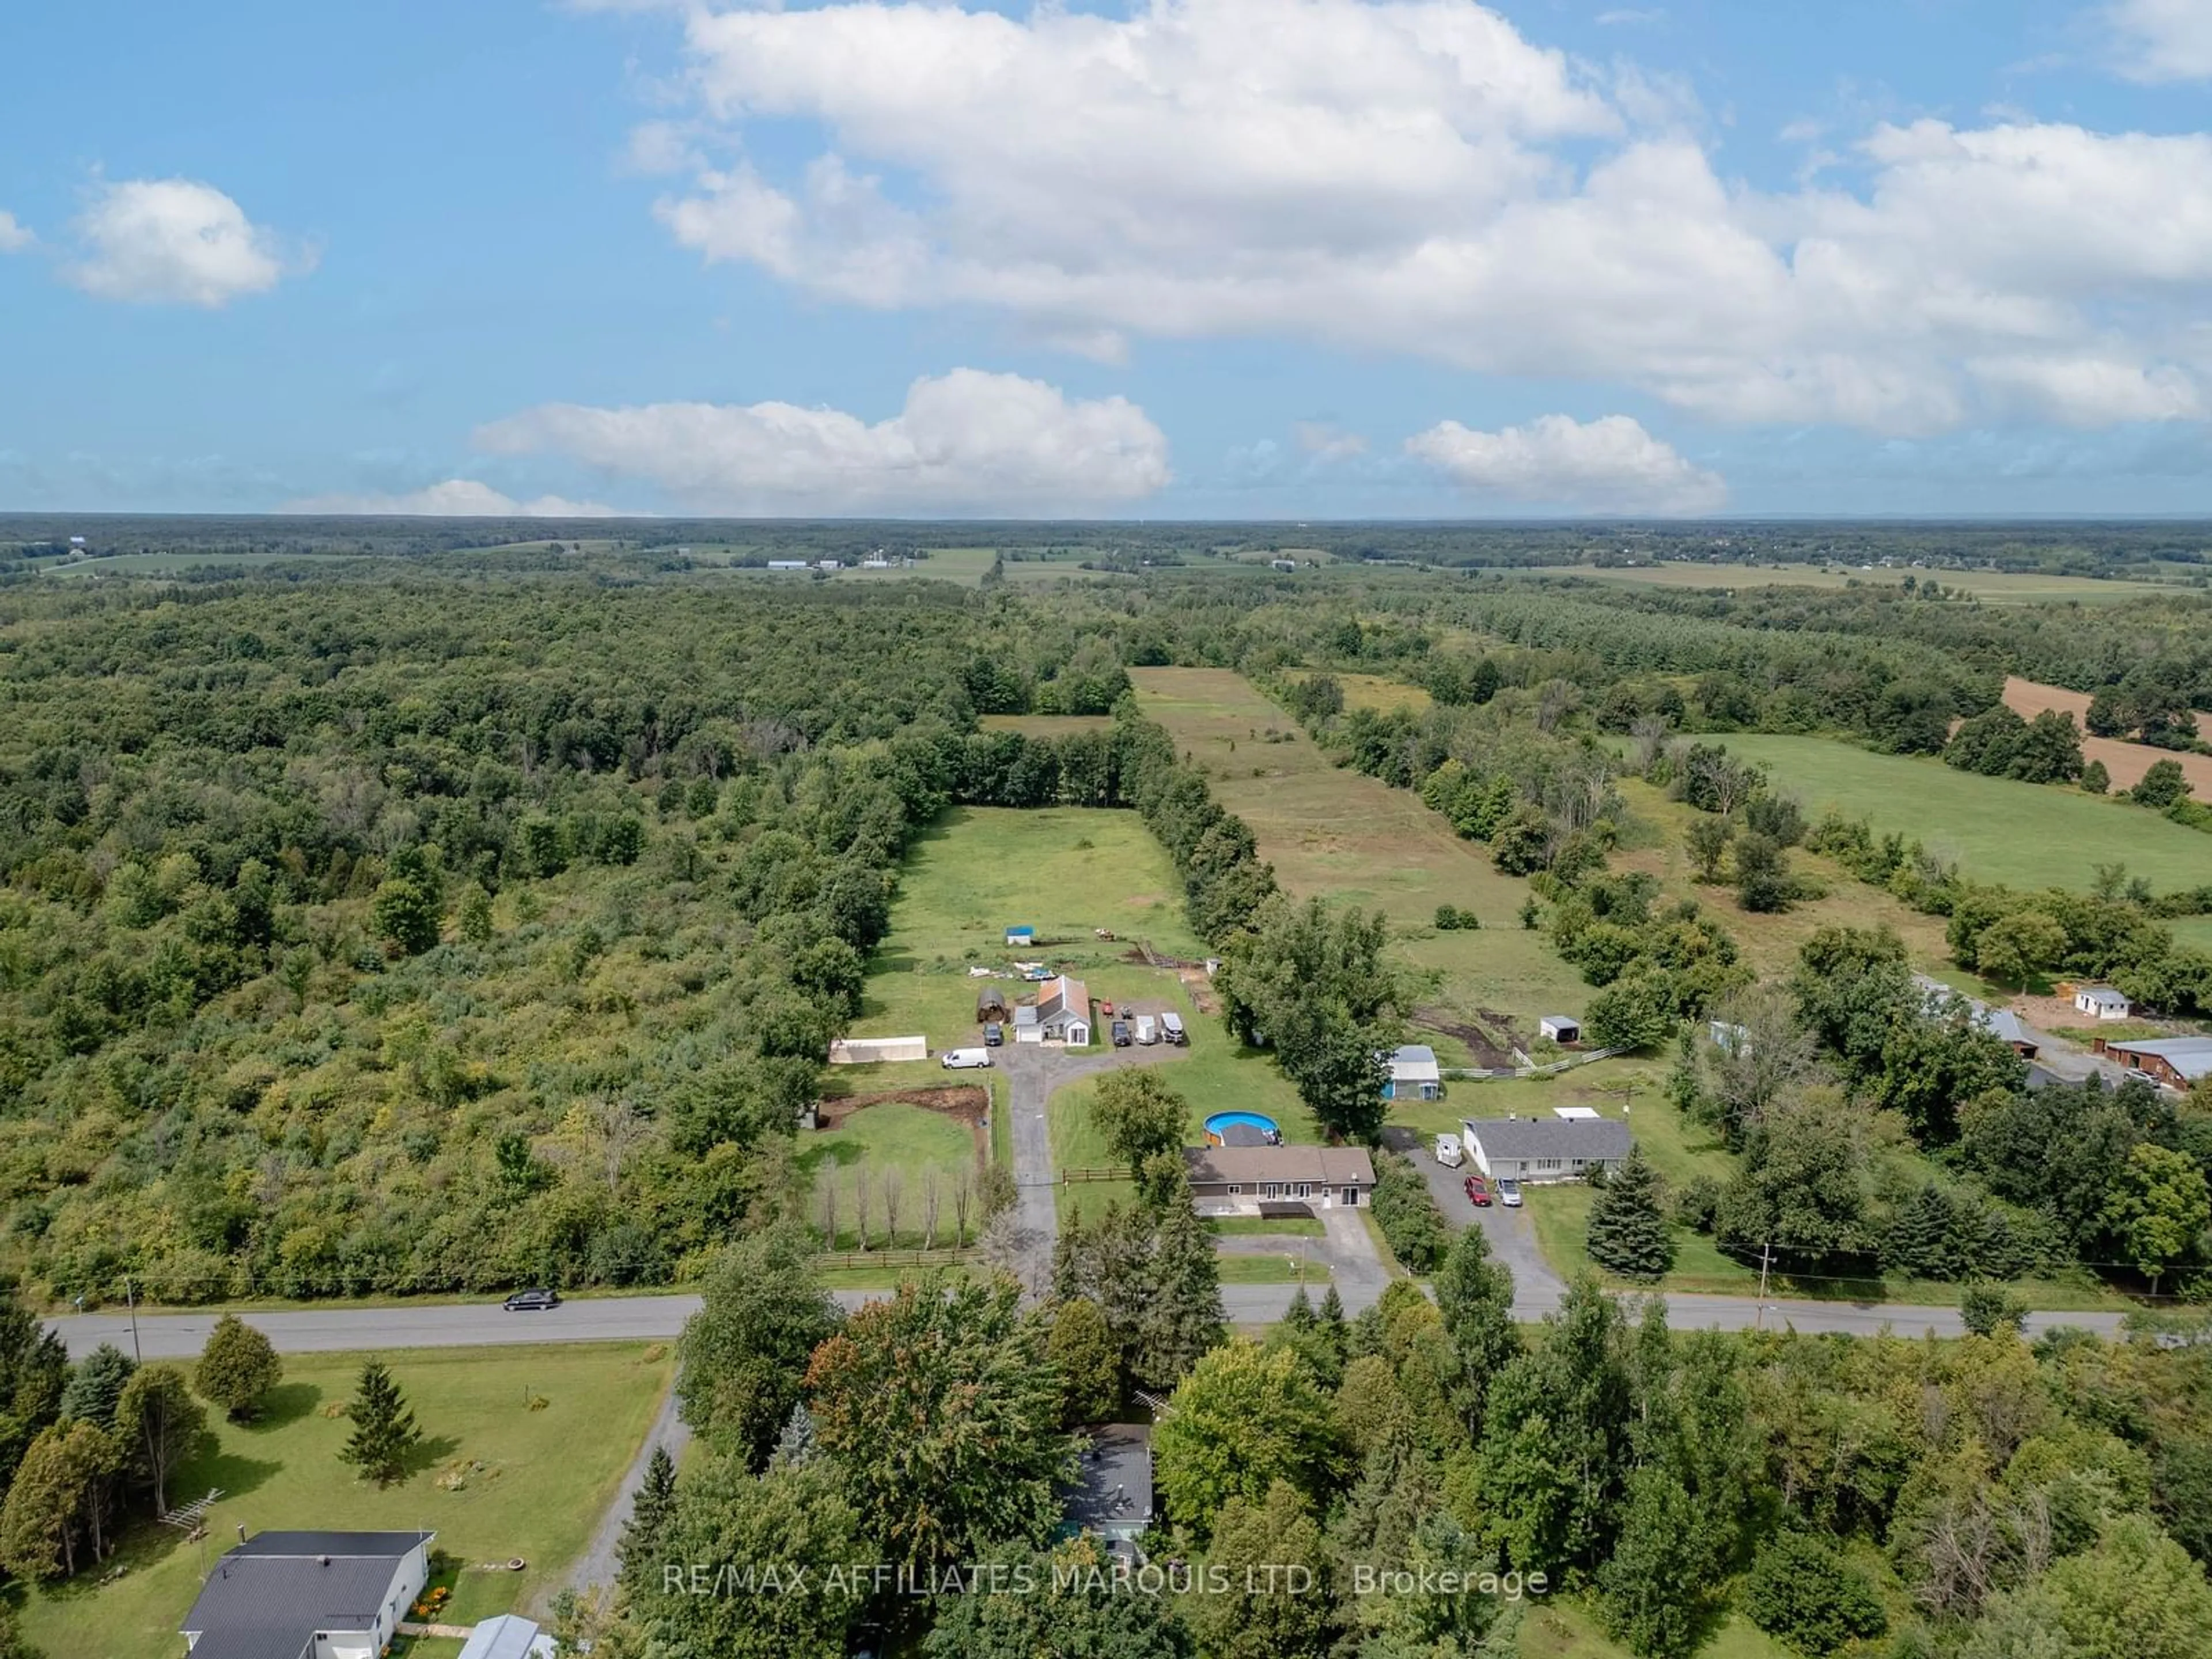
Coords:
pixel 1560 1628
pixel 890 1141
pixel 1991 586
pixel 547 1476
pixel 2024 834
pixel 1771 943
pixel 1334 832
pixel 2193 930
pixel 1681 1151
pixel 158 564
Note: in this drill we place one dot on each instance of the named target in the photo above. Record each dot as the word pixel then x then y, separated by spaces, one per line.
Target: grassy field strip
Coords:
pixel 547 1475
pixel 1992 586
pixel 1333 831
pixel 2126 762
pixel 2023 835
pixel 1771 943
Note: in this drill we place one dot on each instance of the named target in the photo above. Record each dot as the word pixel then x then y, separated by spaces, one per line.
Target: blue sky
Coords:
pixel 1182 258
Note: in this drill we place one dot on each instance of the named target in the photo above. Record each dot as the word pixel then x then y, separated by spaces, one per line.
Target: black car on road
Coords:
pixel 532 1301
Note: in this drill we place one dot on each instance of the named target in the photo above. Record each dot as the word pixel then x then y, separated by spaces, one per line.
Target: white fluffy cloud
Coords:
pixel 1416 176
pixel 173 240
pixel 1611 465
pixel 13 237
pixel 456 498
pixel 2164 40
pixel 967 440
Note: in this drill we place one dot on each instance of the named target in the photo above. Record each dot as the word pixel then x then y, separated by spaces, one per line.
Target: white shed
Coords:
pixel 1561 1028
pixel 2101 1002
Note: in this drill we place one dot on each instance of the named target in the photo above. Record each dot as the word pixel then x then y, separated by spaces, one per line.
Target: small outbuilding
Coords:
pixel 2101 1002
pixel 2177 1062
pixel 1414 1074
pixel 509 1636
pixel 2005 1025
pixel 991 1004
pixel 1020 938
pixel 1561 1028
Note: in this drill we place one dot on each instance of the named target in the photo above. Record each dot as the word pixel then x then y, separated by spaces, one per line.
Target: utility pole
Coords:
pixel 1765 1256
pixel 130 1298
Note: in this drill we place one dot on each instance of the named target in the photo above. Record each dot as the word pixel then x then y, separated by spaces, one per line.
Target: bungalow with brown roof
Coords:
pixel 1238 1180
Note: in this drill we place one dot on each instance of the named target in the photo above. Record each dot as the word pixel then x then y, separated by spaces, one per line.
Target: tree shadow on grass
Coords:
pixel 287 1402
pixel 427 1454
pixel 229 1472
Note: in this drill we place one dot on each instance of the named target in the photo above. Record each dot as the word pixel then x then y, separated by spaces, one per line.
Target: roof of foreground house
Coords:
pixel 1329 1166
pixel 268 1596
pixel 1525 1138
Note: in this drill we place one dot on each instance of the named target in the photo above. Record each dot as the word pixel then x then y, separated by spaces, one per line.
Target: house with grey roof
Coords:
pixel 1538 1150
pixel 1112 1496
pixel 308 1595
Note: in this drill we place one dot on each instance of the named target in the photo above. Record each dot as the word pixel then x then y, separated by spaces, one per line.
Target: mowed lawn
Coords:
pixel 890 1142
pixel 2023 835
pixel 1334 832
pixel 547 1477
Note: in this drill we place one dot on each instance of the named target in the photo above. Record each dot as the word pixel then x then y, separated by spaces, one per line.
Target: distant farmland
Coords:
pixel 2025 835
pixel 2126 762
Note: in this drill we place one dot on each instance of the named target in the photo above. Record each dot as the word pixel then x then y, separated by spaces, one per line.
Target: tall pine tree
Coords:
pixel 1628 1233
pixel 1185 1316
pixel 383 1430
pixel 1474 1294
pixel 649 1515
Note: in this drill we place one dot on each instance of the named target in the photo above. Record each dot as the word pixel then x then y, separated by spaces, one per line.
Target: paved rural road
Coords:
pixel 647 1318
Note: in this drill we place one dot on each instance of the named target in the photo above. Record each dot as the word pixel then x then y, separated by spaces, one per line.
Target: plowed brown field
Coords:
pixel 2126 762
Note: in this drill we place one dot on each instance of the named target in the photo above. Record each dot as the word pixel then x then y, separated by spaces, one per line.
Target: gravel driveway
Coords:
pixel 1536 1289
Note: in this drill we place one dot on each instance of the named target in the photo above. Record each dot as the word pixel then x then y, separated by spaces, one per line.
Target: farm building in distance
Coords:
pixel 1021 939
pixel 2101 1002
pixel 1237 1180
pixel 2177 1062
pixel 1414 1074
pixel 1061 1013
pixel 308 1595
pixel 1539 1150
pixel 1561 1028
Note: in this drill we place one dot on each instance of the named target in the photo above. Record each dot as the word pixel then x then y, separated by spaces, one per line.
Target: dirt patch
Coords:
pixel 1491 1043
pixel 1201 988
pixel 971 1105
pixel 2126 762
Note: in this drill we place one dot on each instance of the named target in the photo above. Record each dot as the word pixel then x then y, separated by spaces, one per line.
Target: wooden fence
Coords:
pixel 945 1258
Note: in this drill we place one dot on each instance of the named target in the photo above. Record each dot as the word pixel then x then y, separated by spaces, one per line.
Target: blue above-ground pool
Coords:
pixel 1242 1129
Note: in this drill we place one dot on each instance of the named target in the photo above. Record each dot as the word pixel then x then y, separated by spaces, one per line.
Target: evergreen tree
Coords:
pixel 383 1430
pixel 96 1384
pixel 1474 1295
pixel 1335 1337
pixel 238 1366
pixel 651 1511
pixel 1923 1235
pixel 1627 1224
pixel 1185 1316
pixel 796 1446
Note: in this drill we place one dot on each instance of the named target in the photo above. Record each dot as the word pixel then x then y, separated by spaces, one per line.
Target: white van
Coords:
pixel 1172 1028
pixel 965 1060
pixel 1148 1029
pixel 1450 1153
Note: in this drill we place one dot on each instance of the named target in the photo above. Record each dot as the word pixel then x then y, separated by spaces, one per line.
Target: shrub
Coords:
pixel 1988 1308
pixel 1407 1215
pixel 1801 1593
pixel 1451 919
pixel 238 1366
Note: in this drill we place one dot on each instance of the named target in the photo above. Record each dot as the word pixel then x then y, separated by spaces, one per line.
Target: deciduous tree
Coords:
pixel 237 1369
